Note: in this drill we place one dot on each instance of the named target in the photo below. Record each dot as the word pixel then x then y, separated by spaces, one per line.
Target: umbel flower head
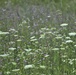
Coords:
pixel 64 24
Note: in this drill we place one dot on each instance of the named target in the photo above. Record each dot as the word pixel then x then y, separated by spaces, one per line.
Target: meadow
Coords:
pixel 38 39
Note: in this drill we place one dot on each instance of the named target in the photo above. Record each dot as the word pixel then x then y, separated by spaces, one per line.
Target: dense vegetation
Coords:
pixel 38 37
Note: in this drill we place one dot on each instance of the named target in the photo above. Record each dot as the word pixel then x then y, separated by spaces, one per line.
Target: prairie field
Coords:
pixel 38 37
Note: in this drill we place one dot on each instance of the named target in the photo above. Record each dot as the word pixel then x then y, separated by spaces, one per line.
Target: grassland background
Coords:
pixel 38 37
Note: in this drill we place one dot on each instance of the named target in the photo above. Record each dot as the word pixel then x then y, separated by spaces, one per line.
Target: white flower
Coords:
pixel 69 41
pixel 72 34
pixel 64 24
pixel 29 66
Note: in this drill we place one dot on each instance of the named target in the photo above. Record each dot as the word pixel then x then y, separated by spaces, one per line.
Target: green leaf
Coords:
pixel 55 49
pixel 42 66
pixel 14 63
pixel 42 36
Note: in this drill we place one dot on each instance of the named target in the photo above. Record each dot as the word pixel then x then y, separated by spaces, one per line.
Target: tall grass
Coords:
pixel 42 43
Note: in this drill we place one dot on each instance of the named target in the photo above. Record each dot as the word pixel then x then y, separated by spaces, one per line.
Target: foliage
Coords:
pixel 42 42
